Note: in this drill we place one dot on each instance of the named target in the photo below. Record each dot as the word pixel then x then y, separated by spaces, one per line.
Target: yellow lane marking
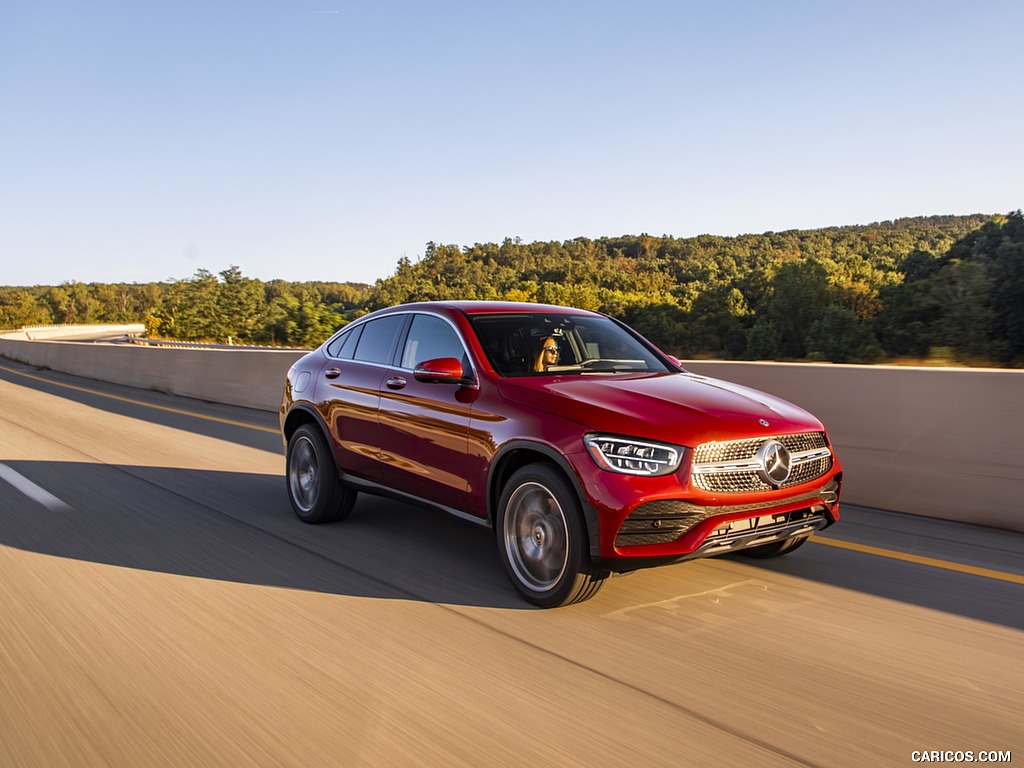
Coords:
pixel 988 573
pixel 178 411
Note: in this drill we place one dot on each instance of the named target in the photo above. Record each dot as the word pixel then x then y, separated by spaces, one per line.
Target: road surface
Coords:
pixel 160 605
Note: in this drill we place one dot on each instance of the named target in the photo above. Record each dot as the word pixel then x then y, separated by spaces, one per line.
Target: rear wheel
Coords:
pixel 542 540
pixel 316 494
pixel 775 549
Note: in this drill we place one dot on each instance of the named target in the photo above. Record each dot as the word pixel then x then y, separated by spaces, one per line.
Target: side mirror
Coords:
pixel 440 370
pixel 675 361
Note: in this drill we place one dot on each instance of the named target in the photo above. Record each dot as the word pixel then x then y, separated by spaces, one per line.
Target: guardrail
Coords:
pixel 945 443
pixel 41 332
pixel 207 345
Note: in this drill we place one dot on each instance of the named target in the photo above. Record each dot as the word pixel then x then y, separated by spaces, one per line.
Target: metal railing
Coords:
pixel 207 345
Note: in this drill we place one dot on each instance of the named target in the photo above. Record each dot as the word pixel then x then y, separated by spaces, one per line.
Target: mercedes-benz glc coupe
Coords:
pixel 582 446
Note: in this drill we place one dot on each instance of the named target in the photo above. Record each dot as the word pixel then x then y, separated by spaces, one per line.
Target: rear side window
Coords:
pixel 345 344
pixel 378 339
pixel 430 338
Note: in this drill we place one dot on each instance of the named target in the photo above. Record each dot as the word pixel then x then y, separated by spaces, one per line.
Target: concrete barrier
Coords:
pixel 945 443
pixel 253 378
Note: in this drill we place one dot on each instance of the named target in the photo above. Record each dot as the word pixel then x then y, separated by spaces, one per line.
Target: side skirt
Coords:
pixel 376 489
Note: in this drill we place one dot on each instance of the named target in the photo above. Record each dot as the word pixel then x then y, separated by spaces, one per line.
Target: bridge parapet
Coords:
pixel 946 443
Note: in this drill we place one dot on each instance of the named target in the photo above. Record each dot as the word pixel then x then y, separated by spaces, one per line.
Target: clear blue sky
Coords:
pixel 326 139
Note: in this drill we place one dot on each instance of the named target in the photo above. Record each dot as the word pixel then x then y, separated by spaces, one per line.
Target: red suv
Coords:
pixel 585 448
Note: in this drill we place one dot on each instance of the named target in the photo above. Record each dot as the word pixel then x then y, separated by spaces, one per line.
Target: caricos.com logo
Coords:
pixel 960 756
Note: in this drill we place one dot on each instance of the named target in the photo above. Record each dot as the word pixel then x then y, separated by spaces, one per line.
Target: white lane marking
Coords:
pixel 32 490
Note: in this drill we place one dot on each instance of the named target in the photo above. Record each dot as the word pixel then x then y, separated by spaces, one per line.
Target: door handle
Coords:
pixel 332 373
pixel 396 383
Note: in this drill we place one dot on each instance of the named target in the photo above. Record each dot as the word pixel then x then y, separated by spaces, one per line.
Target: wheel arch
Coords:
pixel 519 453
pixel 300 414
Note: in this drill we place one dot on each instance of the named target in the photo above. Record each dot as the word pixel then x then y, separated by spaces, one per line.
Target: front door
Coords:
pixel 423 428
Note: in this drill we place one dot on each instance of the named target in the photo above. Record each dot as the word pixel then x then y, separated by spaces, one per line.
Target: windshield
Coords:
pixel 540 344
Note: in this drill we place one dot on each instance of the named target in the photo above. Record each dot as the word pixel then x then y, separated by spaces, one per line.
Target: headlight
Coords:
pixel 633 457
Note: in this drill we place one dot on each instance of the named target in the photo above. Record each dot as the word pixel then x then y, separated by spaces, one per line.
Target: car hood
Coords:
pixel 680 408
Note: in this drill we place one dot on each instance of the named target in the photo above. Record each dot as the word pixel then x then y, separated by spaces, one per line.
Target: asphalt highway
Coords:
pixel 160 605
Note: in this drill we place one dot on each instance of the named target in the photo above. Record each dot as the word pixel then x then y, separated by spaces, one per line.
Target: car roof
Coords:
pixel 495 307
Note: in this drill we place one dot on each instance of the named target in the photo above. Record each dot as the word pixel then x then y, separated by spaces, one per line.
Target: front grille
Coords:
pixel 734 482
pixel 732 466
pixel 808 470
pixel 737 450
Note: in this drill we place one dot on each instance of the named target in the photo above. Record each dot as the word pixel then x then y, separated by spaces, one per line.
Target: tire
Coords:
pixel 316 494
pixel 542 540
pixel 775 549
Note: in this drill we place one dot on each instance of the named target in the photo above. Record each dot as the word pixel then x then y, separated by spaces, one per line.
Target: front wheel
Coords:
pixel 542 540
pixel 316 494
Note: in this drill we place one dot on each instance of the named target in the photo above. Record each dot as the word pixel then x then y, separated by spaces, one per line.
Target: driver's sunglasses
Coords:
pixel 551 349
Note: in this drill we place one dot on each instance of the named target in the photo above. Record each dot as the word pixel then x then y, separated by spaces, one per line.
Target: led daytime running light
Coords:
pixel 633 457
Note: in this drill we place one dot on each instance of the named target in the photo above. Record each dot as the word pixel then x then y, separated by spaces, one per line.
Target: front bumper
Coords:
pixel 660 520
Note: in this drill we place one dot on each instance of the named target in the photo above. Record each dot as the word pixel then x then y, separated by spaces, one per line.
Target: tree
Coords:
pixel 904 326
pixel 664 324
pixel 839 336
pixel 240 305
pixel 196 315
pixel 911 283
pixel 19 308
pixel 71 303
pixel 764 341
pixel 1006 271
pixel 800 293
pixel 964 323
pixel 718 317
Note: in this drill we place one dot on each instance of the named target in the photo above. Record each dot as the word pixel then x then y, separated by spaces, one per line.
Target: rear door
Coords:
pixel 349 392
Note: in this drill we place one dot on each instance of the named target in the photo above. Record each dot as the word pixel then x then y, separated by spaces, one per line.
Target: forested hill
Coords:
pixel 951 286
pixel 205 307
pixel 945 287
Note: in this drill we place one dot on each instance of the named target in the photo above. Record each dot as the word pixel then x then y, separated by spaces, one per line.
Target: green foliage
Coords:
pixel 798 296
pixel 304 322
pixel 72 303
pixel 921 287
pixel 839 336
pixel 764 342
pixel 205 307
pixel 843 294
pixel 233 308
pixel 20 307
pixel 967 301
pixel 718 320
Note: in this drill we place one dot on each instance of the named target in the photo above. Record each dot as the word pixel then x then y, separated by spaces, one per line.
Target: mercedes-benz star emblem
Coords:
pixel 776 463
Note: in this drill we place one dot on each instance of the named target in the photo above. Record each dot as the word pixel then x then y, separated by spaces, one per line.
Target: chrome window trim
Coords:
pixel 458 335
pixel 347 328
